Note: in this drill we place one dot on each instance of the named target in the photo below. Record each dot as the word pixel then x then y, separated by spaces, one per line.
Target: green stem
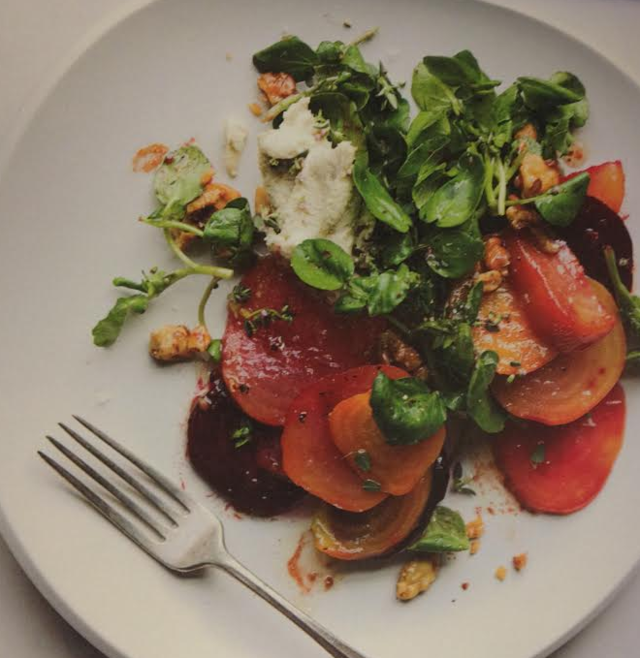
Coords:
pixel 365 36
pixel 502 190
pixel 209 270
pixel 400 326
pixel 213 284
pixel 280 107
pixel 170 223
pixel 488 182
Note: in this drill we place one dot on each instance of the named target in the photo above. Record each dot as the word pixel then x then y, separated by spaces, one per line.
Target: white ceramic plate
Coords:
pixel 69 204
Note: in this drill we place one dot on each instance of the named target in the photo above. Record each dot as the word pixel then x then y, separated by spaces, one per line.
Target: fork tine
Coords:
pixel 110 513
pixel 145 492
pixel 163 482
pixel 132 506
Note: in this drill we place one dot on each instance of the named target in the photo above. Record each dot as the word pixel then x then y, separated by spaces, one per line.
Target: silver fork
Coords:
pixel 188 538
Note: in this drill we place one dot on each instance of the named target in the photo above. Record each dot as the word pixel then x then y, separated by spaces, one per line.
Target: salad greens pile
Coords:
pixel 435 184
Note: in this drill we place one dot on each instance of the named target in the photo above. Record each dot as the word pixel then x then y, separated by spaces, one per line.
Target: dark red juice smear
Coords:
pixel 249 477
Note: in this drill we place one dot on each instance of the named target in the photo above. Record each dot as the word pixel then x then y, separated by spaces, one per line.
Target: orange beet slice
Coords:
pixel 518 347
pixel 310 458
pixel 397 468
pixel 556 294
pixel 572 384
pixel 575 459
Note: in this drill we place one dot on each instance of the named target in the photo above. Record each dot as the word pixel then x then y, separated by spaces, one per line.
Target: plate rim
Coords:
pixel 17 129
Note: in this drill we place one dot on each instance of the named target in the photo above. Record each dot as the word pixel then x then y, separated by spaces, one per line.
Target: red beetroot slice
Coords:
pixel 250 477
pixel 596 227
pixel 576 459
pixel 266 371
pixel 311 458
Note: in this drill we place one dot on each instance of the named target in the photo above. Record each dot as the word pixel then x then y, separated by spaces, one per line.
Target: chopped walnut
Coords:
pixel 416 577
pixel 393 350
pixel 522 216
pixel 538 175
pixel 276 86
pixel 178 343
pixel 496 257
pixel 527 131
pixel 475 528
pixel 490 280
pixel 474 546
pixel 214 194
pixel 500 573
pixel 519 561
pixel 544 241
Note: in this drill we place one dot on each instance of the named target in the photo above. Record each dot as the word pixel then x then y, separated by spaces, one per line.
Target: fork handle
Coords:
pixel 319 633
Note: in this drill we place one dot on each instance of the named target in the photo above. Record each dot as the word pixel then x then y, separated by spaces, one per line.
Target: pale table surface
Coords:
pixel 34 35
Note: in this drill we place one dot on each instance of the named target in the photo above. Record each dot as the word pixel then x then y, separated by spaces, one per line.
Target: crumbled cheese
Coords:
pixel 309 184
pixel 235 139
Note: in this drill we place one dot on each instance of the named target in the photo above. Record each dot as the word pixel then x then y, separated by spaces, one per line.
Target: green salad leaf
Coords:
pixel 289 55
pixel 322 264
pixel 406 410
pixel 480 404
pixel 106 332
pixel 178 180
pixel 560 205
pixel 628 304
pixel 231 230
pixel 446 532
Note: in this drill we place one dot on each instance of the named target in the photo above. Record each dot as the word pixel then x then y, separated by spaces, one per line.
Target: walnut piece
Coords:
pixel 520 561
pixel 392 350
pixel 178 343
pixel 490 280
pixel 475 528
pixel 276 86
pixel 416 576
pixel 538 175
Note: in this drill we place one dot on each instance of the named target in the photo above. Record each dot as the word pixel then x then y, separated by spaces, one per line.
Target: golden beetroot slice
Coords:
pixel 309 455
pixel 348 536
pixel 266 369
pixel 504 327
pixel 560 470
pixel 556 294
pixel 572 384
pixel 398 468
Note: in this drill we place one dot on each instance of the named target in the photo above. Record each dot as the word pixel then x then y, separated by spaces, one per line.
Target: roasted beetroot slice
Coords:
pixel 596 227
pixel 250 476
pixel 267 370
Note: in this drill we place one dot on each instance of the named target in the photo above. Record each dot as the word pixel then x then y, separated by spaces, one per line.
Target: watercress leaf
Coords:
pixel 456 353
pixel 560 205
pixel 406 410
pixel 544 95
pixel 377 198
pixel 445 532
pixel 428 147
pixel 322 264
pixel 461 70
pixel 420 123
pixel 330 52
pixel 453 253
pixel 390 290
pixel 289 55
pixel 387 150
pixel 106 332
pixel 430 93
pixel 504 108
pixel 480 405
pixel 342 115
pixel 456 201
pixel 178 180
pixel 231 229
pixel 430 178
pixel 397 248
pixel 356 294
pixel 628 304
pixel 353 59
pixel 400 117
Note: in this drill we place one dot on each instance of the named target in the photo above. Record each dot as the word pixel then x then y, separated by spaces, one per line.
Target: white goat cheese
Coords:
pixel 235 139
pixel 309 183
